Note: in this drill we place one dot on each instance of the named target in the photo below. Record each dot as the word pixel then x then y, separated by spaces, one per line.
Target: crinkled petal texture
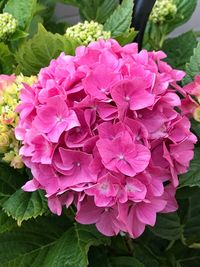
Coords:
pixel 102 130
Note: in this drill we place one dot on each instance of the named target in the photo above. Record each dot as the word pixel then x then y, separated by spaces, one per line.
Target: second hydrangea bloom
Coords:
pixel 102 130
pixel 9 99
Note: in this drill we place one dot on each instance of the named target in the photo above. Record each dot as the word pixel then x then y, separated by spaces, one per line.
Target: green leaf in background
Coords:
pixel 195 125
pixel 7 60
pixel 72 248
pixel 98 10
pixel 127 38
pixel 28 245
pixel 185 10
pixel 145 255
pixel 23 206
pixel 37 52
pixel 119 22
pixel 6 223
pixel 193 67
pixel 167 226
pixel 18 35
pixel 125 262
pixel 2 3
pixel 10 181
pixel 192 177
pixel 192 226
pixel 22 10
pixel 180 49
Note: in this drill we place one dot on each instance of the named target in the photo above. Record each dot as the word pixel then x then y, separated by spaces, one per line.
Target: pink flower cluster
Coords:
pixel 102 130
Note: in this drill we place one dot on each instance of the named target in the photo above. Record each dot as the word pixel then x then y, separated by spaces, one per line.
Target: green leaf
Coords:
pixel 72 248
pixel 119 22
pixel 193 67
pixel 185 10
pixel 6 223
pixel 18 35
pixel 23 206
pixel 167 226
pixel 28 245
pixel 195 127
pixel 192 177
pixel 192 226
pixel 10 181
pixel 127 38
pixel 7 59
pixel 2 3
pixel 37 52
pixel 180 49
pixel 97 10
pixel 22 10
pixel 145 255
pixel 125 262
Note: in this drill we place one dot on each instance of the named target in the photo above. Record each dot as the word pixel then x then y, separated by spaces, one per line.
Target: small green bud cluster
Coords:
pixel 87 32
pixel 163 10
pixel 8 25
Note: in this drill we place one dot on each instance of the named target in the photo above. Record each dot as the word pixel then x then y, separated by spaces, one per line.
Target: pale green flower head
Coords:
pixel 87 32
pixel 8 25
pixel 163 11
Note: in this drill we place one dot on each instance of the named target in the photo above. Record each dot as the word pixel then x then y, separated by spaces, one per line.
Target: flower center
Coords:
pixel 121 157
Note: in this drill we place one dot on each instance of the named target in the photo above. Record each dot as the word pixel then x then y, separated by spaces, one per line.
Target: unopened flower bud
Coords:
pixel 17 162
pixel 196 114
pixel 163 10
pixel 4 142
pixel 87 32
pixel 8 25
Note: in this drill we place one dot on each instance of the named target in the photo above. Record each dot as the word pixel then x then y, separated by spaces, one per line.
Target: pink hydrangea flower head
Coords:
pixel 106 131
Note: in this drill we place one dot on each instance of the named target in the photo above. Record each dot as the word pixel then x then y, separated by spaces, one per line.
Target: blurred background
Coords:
pixel 71 15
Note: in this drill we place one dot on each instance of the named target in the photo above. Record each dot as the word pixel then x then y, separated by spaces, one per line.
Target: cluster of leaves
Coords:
pixel 39 38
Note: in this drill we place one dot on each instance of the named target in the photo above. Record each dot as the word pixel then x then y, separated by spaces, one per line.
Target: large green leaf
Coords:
pixel 28 245
pixel 23 206
pixel 193 67
pixel 167 226
pixel 185 10
pixel 43 243
pixel 41 49
pixel 180 49
pixel 72 248
pixel 192 177
pixel 119 22
pixel 16 203
pixel 22 10
pixel 7 60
